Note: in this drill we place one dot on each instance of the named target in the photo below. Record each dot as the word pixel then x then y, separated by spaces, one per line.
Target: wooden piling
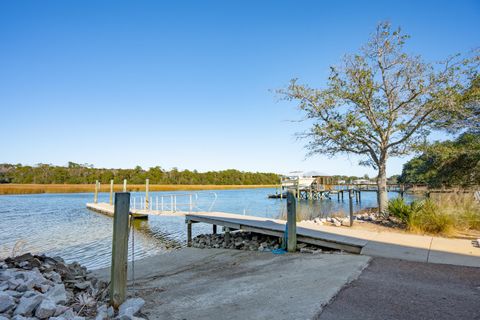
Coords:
pixel 350 205
pixel 189 233
pixel 291 223
pixel 214 229
pixel 147 200
pixel 111 193
pixel 124 185
pixel 95 195
pixel 227 236
pixel 118 275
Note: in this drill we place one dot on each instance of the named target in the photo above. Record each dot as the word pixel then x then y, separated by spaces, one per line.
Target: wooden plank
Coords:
pixel 118 276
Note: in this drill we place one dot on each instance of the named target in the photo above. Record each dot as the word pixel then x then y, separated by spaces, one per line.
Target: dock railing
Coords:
pixel 174 202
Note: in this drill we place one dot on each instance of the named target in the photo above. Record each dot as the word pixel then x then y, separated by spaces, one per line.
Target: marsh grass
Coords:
pixel 79 188
pixel 444 214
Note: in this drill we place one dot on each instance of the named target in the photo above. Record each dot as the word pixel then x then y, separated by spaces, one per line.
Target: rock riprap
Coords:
pixel 41 287
pixel 244 240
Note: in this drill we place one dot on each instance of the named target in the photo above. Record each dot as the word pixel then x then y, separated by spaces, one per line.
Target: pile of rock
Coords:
pixel 243 240
pixel 41 287
pixel 329 221
pixel 238 240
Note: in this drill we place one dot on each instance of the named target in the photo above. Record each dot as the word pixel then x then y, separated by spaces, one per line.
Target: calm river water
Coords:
pixel 59 224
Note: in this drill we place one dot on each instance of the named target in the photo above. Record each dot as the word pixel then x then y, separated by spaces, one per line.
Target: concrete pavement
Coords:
pixel 403 290
pixel 231 284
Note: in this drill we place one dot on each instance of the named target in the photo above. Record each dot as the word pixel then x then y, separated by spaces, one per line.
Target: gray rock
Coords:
pixel 346 222
pixel 110 312
pixel 131 307
pixel 3 286
pixel 57 294
pixel 5 275
pixel 26 306
pixel 337 223
pixel 59 310
pixel 46 309
pixel 3 318
pixel 6 302
pixel 13 293
pixel 82 285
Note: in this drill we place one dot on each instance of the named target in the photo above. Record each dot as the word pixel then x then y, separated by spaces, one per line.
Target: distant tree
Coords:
pixel 382 102
pixel 450 163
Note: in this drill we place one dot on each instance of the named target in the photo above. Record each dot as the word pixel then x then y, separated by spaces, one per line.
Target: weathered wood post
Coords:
pixel 402 190
pixel 281 189
pixel 189 233
pixel 350 204
pixel 111 192
pixel 214 229
pixel 95 195
pixel 291 223
pixel 227 237
pixel 147 183
pixel 298 188
pixel 359 196
pixel 124 185
pixel 118 275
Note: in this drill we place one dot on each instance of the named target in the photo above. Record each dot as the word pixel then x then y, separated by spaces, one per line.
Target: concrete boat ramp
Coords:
pixel 403 246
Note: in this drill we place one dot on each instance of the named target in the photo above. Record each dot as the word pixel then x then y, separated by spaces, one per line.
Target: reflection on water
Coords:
pixel 59 224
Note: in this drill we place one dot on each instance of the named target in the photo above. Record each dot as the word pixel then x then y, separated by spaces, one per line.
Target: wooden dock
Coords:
pixel 108 209
pixel 273 227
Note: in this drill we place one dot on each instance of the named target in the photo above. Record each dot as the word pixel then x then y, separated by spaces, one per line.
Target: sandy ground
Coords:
pixel 232 284
pixel 395 289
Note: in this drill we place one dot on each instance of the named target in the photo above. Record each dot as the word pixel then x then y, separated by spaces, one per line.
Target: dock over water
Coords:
pixel 404 246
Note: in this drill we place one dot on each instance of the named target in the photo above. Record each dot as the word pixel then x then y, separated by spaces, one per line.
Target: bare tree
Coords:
pixel 382 102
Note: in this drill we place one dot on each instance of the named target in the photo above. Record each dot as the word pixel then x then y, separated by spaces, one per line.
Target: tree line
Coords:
pixel 448 163
pixel 75 173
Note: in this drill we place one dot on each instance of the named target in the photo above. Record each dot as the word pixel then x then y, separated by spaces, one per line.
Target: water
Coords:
pixel 59 224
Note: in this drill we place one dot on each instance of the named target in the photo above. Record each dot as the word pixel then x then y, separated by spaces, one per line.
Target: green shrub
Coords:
pixel 422 216
pixel 401 210
pixel 431 218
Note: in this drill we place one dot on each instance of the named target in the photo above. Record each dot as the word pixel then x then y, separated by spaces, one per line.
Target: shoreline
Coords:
pixel 19 189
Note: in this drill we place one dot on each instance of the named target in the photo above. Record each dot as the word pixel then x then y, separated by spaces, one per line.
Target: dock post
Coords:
pixel 111 192
pixel 161 198
pixel 359 196
pixel 95 195
pixel 147 183
pixel 191 205
pixel 298 189
pixel 291 223
pixel 118 275
pixel 124 185
pixel 342 194
pixel 281 189
pixel 350 205
pixel 171 203
pixel 227 237
pixel 338 196
pixel 356 196
pixel 189 233
pixel 214 229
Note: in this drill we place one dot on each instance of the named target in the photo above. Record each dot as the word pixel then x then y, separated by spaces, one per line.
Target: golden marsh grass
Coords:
pixel 79 188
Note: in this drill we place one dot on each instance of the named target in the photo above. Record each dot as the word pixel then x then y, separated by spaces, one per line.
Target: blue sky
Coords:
pixel 188 84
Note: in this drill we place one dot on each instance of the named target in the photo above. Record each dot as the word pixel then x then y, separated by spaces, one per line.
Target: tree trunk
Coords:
pixel 382 195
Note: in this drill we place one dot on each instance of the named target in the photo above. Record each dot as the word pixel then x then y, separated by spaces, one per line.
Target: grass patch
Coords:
pixel 441 215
